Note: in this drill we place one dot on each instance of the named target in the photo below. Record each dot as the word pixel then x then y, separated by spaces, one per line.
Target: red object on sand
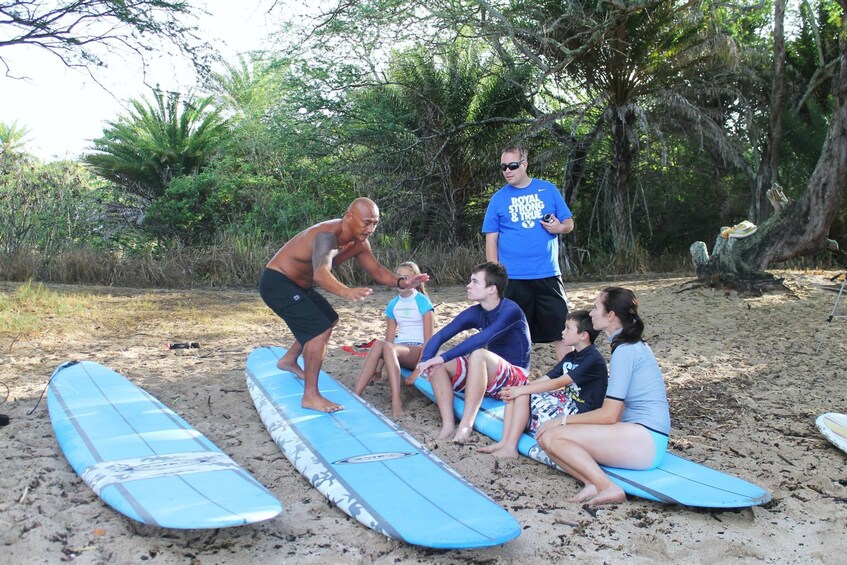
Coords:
pixel 353 351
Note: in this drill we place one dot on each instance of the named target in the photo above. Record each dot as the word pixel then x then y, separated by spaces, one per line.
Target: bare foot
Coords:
pixel 589 491
pixel 291 368
pixel 505 453
pixel 490 448
pixel 396 412
pixel 320 404
pixel 446 432
pixel 462 434
pixel 608 495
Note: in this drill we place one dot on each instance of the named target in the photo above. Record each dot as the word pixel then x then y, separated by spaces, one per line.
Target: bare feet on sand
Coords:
pixel 497 450
pixel 490 448
pixel 608 495
pixel 291 368
pixel 320 404
pixel 590 491
pixel 462 434
pixel 446 432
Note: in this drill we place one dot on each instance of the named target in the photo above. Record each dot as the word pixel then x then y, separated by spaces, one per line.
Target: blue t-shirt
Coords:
pixel 636 379
pixel 408 312
pixel 524 247
pixel 503 331
pixel 587 369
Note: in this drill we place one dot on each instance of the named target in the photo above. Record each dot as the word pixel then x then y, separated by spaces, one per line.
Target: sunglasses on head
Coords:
pixel 513 166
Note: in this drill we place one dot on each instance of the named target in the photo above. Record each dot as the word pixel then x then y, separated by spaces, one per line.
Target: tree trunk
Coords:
pixel 769 165
pixel 622 157
pixel 801 228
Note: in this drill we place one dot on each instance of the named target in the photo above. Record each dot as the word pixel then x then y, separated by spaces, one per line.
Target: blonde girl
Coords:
pixel 410 319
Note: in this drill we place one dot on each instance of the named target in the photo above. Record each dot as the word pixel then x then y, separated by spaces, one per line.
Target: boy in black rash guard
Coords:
pixel 576 384
pixel 484 363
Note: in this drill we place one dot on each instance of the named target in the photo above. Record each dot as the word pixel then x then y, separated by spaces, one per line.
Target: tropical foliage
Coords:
pixel 12 138
pixel 44 207
pixel 660 120
pixel 427 140
pixel 156 141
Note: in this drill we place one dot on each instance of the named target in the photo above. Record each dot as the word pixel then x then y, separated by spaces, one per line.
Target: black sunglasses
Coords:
pixel 513 166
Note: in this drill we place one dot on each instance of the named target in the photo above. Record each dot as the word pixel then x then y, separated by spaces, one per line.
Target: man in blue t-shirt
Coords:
pixel 495 357
pixel 518 236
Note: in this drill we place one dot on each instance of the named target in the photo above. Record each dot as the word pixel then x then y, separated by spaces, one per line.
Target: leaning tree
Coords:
pixel 798 227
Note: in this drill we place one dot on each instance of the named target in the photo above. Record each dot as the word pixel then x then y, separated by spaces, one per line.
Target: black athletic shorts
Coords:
pixel 307 313
pixel 545 305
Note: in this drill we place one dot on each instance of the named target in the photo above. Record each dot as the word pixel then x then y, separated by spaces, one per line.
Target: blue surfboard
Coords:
pixel 369 467
pixel 145 461
pixel 676 481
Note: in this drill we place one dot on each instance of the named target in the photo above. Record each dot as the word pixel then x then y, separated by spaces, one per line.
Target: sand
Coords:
pixel 744 381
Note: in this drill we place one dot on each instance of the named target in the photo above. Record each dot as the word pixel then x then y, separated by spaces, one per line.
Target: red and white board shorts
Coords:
pixel 507 375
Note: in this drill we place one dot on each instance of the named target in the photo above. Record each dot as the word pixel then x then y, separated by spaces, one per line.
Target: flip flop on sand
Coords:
pixel 353 351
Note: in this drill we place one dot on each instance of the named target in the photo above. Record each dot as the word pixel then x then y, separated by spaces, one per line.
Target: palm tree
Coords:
pixel 260 98
pixel 248 88
pixel 629 74
pixel 12 137
pixel 431 135
pixel 156 141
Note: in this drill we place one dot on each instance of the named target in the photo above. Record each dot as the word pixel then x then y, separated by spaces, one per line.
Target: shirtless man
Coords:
pixel 287 287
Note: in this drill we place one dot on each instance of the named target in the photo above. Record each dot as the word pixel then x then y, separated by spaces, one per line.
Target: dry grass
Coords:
pixel 41 315
pixel 32 307
pixel 237 262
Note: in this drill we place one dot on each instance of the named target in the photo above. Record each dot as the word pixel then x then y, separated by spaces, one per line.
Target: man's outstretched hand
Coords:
pixel 357 294
pixel 416 280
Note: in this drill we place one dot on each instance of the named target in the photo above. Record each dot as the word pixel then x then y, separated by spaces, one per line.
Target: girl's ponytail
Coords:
pixel 624 304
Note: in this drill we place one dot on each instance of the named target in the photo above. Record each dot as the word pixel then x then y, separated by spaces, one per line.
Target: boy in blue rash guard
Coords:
pixel 485 362
pixel 630 430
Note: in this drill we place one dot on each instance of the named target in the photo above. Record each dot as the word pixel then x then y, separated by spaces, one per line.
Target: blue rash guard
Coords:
pixel 503 331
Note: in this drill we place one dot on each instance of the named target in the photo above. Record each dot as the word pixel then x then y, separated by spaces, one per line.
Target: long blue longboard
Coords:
pixel 676 480
pixel 370 468
pixel 145 461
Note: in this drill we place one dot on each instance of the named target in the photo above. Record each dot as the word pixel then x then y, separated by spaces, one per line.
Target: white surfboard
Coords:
pixel 834 428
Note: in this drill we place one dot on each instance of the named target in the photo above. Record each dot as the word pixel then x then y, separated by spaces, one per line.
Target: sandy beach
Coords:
pixel 744 381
